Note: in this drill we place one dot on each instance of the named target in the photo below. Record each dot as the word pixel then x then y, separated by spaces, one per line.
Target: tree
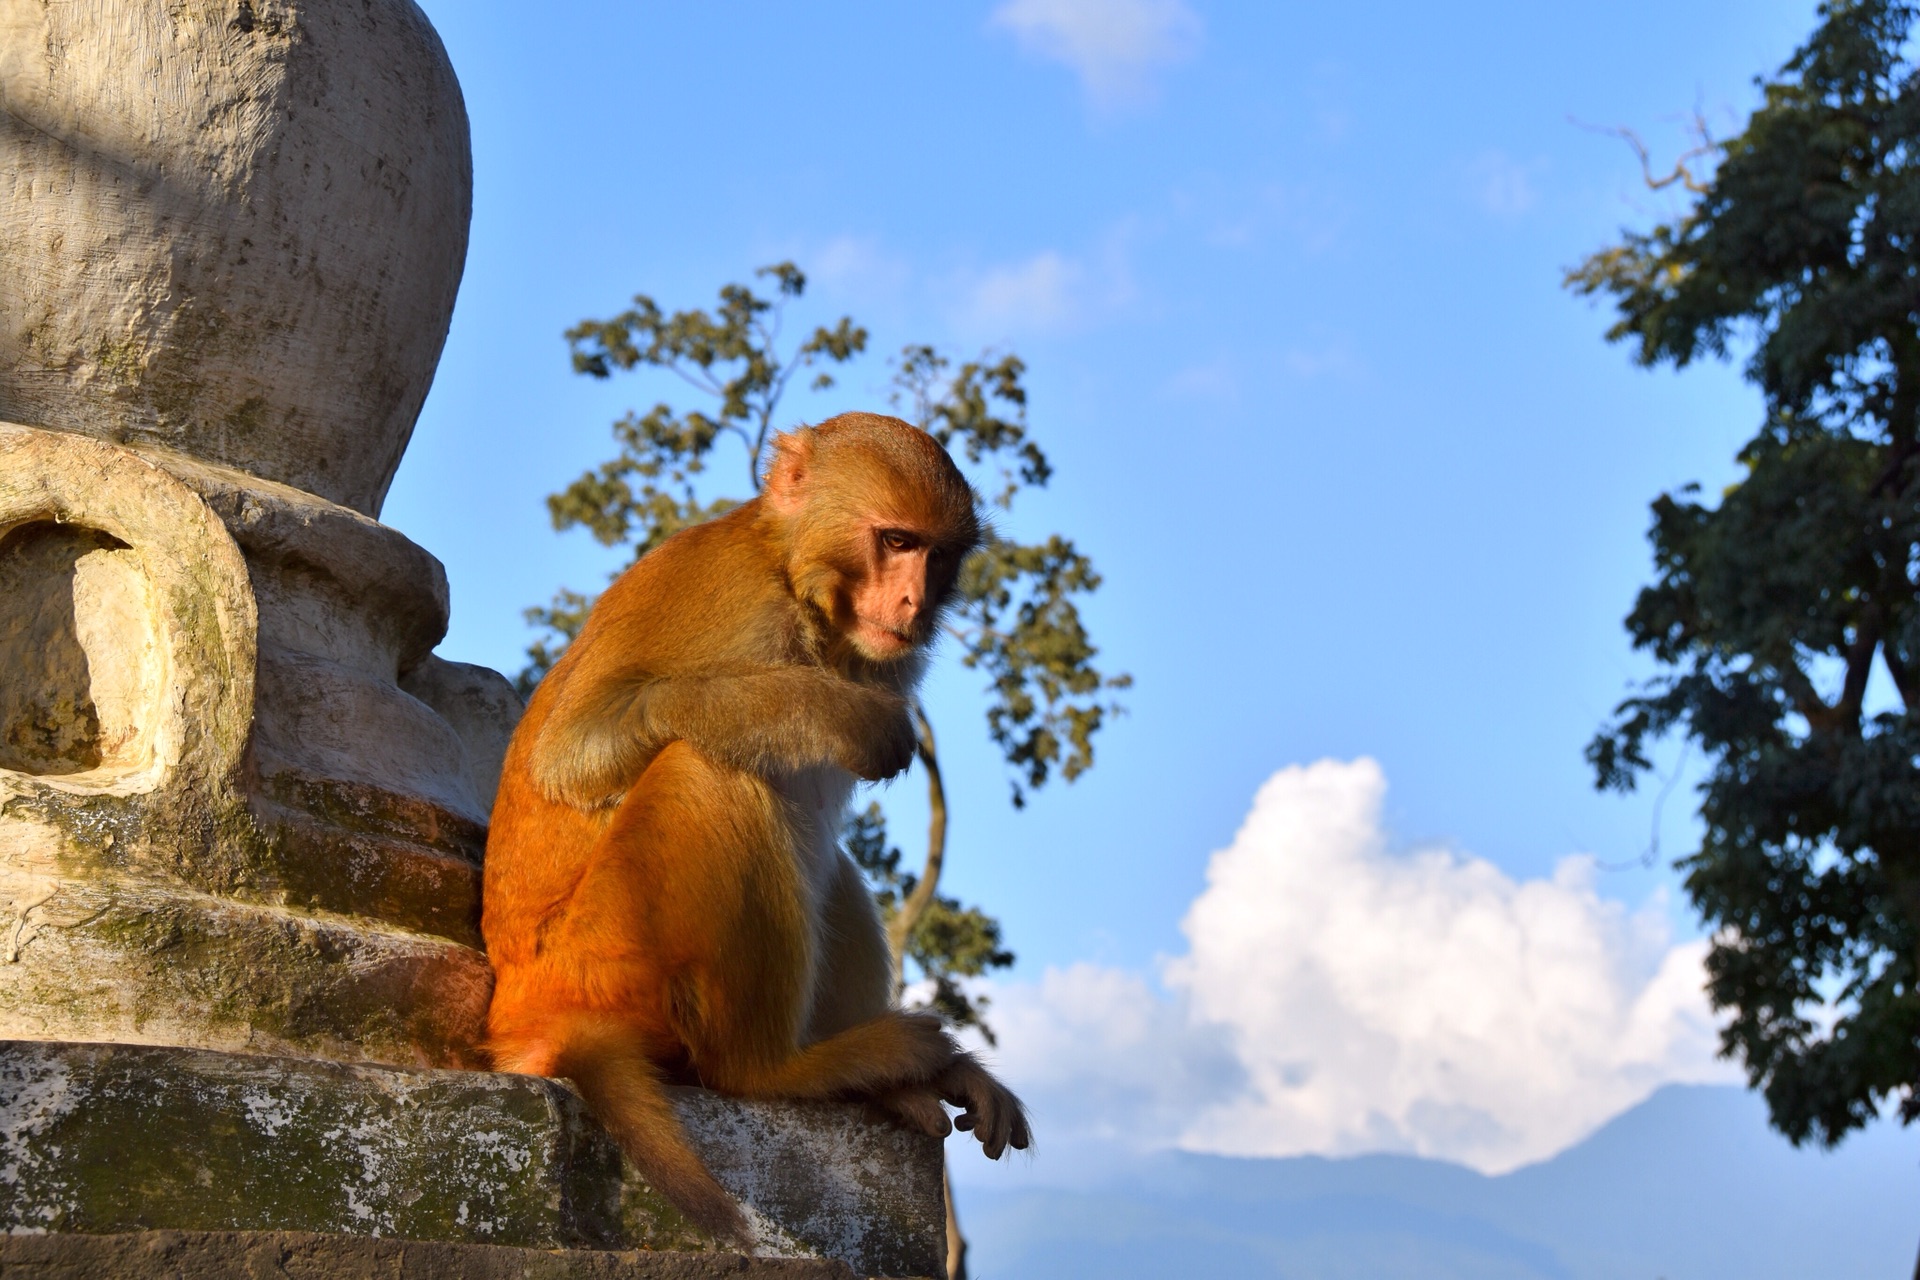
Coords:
pixel 1017 622
pixel 1800 244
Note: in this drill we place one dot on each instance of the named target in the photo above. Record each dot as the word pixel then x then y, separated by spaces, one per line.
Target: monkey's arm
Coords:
pixel 594 746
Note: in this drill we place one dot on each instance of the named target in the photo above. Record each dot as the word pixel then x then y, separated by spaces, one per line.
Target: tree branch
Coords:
pixel 1903 679
pixel 915 905
pixel 1866 640
pixel 1681 174
pixel 1806 699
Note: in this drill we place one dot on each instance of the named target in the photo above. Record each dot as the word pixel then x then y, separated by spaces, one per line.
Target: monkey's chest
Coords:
pixel 817 800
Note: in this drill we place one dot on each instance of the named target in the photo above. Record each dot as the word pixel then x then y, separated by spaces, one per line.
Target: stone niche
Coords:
pixel 77 634
pixel 243 804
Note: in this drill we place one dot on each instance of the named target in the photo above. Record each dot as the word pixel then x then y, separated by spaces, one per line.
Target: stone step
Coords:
pixel 122 958
pixel 306 1255
pixel 98 1139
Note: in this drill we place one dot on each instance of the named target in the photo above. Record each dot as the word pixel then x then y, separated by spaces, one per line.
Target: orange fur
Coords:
pixel 665 898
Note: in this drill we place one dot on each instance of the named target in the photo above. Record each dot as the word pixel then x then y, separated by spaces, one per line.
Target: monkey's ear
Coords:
pixel 787 473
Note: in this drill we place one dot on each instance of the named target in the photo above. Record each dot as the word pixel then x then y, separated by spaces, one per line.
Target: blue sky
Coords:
pixel 1363 479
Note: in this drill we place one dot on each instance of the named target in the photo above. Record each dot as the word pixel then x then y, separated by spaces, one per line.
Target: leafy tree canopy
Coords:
pixel 1770 607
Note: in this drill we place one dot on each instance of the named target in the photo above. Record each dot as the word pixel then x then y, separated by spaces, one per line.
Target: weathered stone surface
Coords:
pixel 73 593
pixel 222 821
pixel 230 237
pixel 829 1178
pixel 482 707
pixel 345 605
pixel 322 864
pixel 302 1255
pixel 109 1138
pixel 139 574
pixel 234 229
pixel 114 958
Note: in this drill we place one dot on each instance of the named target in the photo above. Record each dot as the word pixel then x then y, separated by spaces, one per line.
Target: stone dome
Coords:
pixel 230 229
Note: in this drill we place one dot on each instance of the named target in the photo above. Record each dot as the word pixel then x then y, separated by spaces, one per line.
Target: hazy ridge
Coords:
pixel 1690 1185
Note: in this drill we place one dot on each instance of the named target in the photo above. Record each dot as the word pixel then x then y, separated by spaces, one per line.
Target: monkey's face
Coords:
pixel 907 577
pixel 876 520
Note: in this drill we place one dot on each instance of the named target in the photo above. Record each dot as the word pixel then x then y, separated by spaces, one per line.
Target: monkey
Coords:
pixel 665 897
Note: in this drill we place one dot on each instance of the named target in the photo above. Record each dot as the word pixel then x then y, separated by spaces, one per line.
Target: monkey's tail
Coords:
pixel 609 1065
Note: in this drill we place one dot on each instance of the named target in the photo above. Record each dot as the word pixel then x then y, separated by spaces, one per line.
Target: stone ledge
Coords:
pixel 102 1139
pixel 305 1255
pixel 113 957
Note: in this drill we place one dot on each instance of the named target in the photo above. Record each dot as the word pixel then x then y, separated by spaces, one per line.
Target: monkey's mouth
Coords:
pixel 877 640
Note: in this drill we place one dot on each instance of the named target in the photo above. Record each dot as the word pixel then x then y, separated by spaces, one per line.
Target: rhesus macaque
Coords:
pixel 666 897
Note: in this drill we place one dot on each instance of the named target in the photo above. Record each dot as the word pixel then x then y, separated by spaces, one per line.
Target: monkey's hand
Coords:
pixel 916 1107
pixel 883 745
pixel 988 1109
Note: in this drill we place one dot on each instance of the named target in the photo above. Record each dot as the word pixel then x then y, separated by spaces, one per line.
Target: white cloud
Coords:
pixel 1115 46
pixel 1110 1058
pixel 858 266
pixel 1502 185
pixel 1339 997
pixel 1332 359
pixel 1044 292
pixel 1049 292
pixel 1207 380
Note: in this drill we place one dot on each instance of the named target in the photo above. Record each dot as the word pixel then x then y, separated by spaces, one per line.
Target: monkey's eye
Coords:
pixel 894 540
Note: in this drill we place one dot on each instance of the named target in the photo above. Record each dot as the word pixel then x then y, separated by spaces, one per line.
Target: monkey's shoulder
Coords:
pixel 710 594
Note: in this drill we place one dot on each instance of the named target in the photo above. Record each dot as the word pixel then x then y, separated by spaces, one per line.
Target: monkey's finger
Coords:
pixel 989 1126
pixel 995 1140
pixel 1012 1130
pixel 964 1122
pixel 919 1110
pixel 963 1088
pixel 1022 1132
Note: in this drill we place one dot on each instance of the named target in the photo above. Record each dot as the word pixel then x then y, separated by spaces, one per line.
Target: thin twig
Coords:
pixel 1681 174
pixel 1652 853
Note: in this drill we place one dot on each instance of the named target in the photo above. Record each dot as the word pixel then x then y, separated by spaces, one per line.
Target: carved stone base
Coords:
pixel 242 804
pixel 98 1139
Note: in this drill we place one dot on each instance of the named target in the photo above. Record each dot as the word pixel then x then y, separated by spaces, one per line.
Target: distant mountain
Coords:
pixel 1690 1185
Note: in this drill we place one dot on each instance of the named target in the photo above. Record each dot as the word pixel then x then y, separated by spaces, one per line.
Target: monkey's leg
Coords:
pixel 859 1045
pixel 693 916
pixel 696 873
pixel 599 979
pixel 755 954
pixel 853 983
pixel 895 1052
